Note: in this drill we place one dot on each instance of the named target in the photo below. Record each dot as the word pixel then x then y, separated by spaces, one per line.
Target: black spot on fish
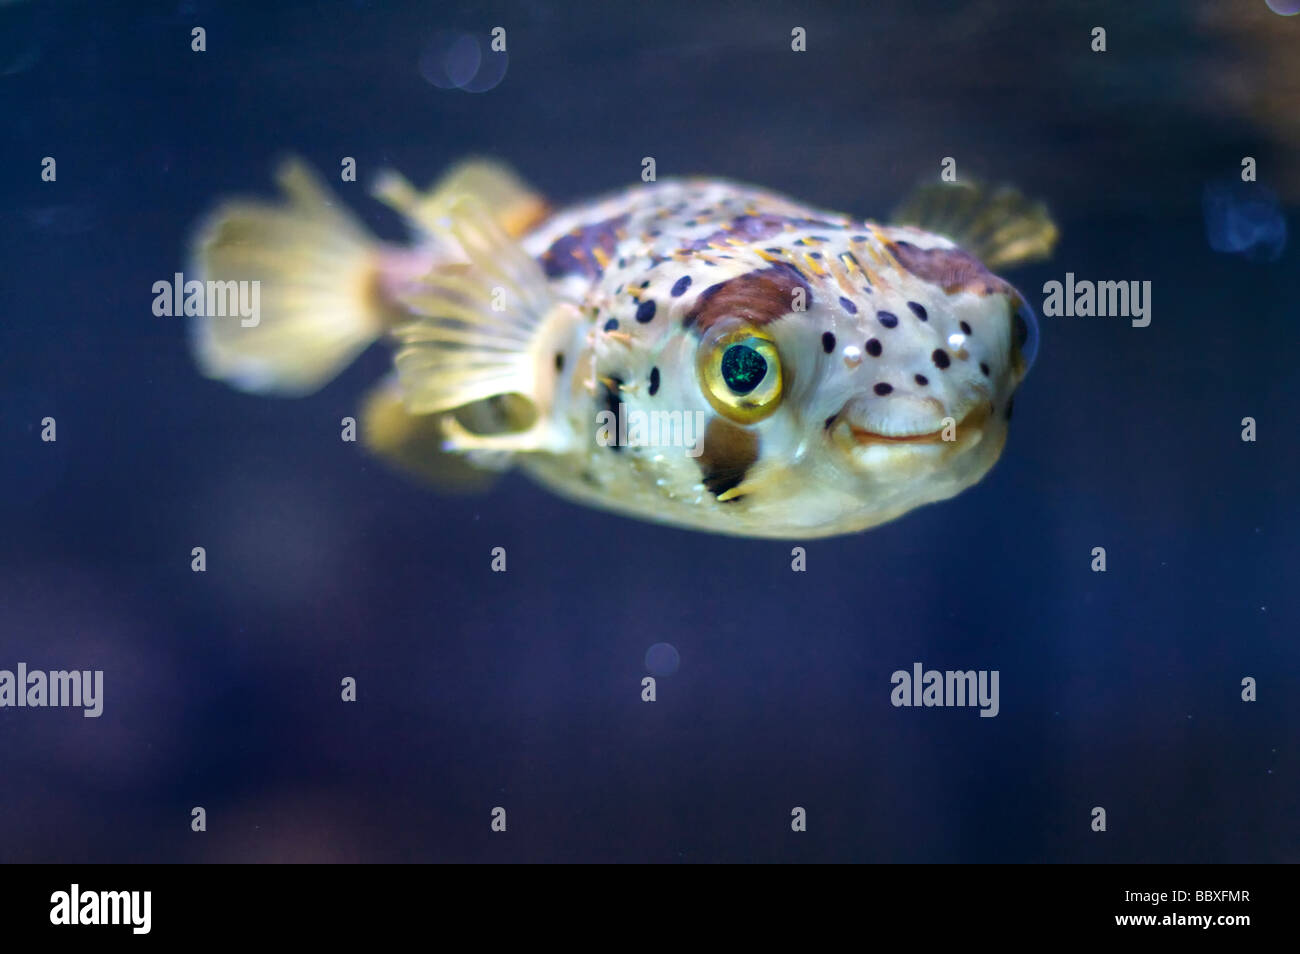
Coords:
pixel 985 368
pixel 965 328
pixel 940 358
pixel 828 342
pixel 611 325
pixel 613 403
pixel 922 380
pixel 874 348
pixel 918 310
pixel 888 319
pixel 847 305
pixel 882 388
pixel 559 362
pixel 645 311
pixel 654 381
pixel 680 285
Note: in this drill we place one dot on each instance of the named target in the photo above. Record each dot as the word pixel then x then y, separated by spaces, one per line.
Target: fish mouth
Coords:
pixel 856 435
pixel 863 436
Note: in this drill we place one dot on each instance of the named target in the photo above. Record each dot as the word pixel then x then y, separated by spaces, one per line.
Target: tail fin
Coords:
pixel 317 270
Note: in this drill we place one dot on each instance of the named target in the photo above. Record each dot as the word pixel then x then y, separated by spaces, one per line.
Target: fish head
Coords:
pixel 917 392
pixel 838 409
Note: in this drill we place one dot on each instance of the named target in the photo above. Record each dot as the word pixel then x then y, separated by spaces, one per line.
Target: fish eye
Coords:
pixel 740 372
pixel 1024 324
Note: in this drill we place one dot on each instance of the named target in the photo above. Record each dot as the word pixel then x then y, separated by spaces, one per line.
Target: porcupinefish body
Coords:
pixel 692 352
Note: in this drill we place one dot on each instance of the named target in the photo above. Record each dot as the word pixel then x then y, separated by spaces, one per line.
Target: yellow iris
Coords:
pixel 740 372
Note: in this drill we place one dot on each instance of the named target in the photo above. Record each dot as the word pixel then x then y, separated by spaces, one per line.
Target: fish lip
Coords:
pixel 862 437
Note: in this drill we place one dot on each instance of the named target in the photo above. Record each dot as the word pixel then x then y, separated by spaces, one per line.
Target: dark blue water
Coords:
pixel 523 689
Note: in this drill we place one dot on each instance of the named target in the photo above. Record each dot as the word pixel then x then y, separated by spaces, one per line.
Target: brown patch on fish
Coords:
pixel 584 251
pixel 728 453
pixel 742 229
pixel 950 268
pixel 758 297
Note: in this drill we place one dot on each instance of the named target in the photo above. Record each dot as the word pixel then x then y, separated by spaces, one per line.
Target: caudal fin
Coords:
pixel 317 270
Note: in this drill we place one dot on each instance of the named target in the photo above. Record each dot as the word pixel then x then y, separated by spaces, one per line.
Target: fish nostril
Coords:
pixel 1025 325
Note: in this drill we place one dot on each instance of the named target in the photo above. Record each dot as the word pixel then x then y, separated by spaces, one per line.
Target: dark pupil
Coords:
pixel 743 368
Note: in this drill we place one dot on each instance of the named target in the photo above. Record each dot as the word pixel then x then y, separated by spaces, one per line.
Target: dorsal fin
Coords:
pixel 998 226
pixel 513 205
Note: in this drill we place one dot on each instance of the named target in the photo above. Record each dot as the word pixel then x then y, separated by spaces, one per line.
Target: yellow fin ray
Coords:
pixel 488 329
pixel 316 271
pixel 515 207
pixel 415 443
pixel 1000 227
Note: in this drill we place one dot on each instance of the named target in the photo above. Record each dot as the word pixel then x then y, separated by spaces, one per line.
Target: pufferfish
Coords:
pixel 815 374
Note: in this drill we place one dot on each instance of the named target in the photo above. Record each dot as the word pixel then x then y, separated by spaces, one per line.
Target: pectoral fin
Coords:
pixel 415 444
pixel 484 327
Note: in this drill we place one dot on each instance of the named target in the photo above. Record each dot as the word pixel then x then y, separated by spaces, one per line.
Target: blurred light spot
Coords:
pixel 1286 8
pixel 1244 218
pixel 444 58
pixel 662 659
pixel 455 60
pixel 491 71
